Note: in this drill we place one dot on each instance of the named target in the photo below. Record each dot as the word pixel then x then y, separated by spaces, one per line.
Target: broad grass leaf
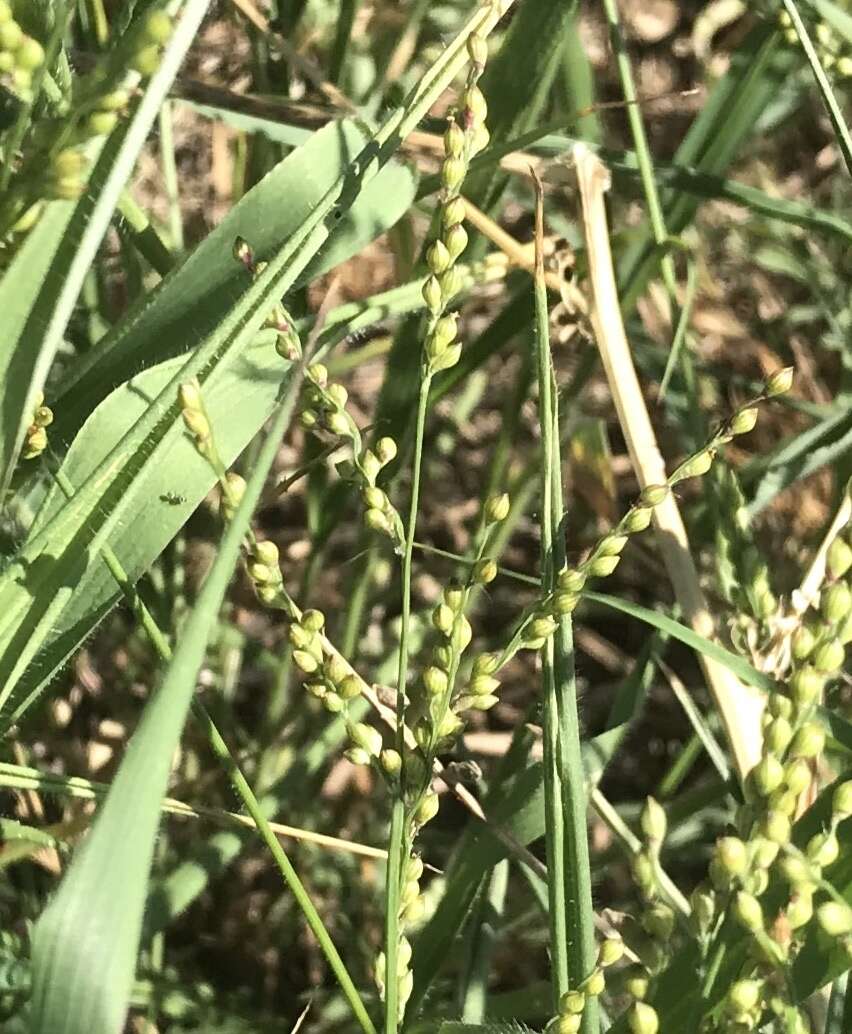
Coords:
pixel 195 297
pixel 40 288
pixel 174 480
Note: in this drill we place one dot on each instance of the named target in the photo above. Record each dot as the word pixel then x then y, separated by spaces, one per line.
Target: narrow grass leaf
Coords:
pixel 85 943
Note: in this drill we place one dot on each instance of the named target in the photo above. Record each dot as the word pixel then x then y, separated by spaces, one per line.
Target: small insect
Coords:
pixel 172 498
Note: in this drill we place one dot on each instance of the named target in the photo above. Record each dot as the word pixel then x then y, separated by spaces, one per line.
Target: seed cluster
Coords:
pixel 573 1003
pixel 465 136
pixel 760 853
pixel 58 160
pixel 835 53
pixel 35 441
pixel 20 54
pixel 779 789
pixel 324 408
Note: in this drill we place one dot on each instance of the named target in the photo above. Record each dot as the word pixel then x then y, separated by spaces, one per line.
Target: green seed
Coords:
pixel 823 849
pixel 653 495
pixel 438 257
pixel 11 35
pixel 100 123
pixel 748 911
pixel 497 508
pixel 806 686
pixel 603 566
pixel 653 821
pixel 768 775
pixel 158 27
pixel 779 382
pixel 835 919
pixel 808 742
pixel 732 855
pixel 744 995
pixel 802 643
pixel 836 604
pixel 29 55
pixel 744 421
pixel 841 805
pixel 146 60
pixel 839 558
pixel 643 1019
pixel 800 910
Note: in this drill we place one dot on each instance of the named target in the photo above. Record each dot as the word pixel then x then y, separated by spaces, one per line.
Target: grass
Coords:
pixel 315 710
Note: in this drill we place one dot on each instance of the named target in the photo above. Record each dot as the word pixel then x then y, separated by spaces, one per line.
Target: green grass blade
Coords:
pixel 841 130
pixel 572 938
pixel 740 667
pixel 85 942
pixel 40 289
pixel 192 301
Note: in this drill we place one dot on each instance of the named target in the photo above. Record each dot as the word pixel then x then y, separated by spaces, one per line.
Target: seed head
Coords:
pixel 267 553
pixel 636 984
pixel 744 995
pixel 312 620
pixel 367 738
pixel 800 910
pixel 350 687
pixel 571 580
pixel 454 141
pixel 659 921
pixel 776 827
pixel 453 212
pixel 611 545
pixel 452 173
pixel 696 467
pixel 386 450
pixel 146 60
pixel 433 296
pixel 158 27
pixel 435 680
pixel 485 571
